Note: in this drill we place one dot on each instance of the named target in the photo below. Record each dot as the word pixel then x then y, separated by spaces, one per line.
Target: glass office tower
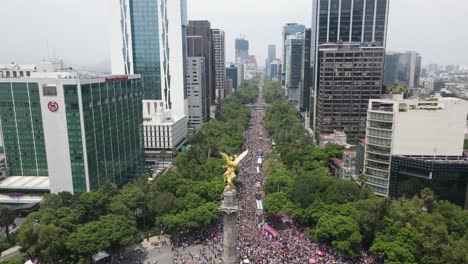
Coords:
pixel 80 133
pixel 145 45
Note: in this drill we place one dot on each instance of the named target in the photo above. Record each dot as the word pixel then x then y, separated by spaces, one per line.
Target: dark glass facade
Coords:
pixel 145 41
pixel 231 73
pixel 337 19
pixel 112 113
pixel 448 179
pixel 23 135
pixel 306 81
pixel 75 141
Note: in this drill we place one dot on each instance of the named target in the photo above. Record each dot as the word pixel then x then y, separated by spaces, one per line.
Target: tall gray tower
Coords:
pixel 344 32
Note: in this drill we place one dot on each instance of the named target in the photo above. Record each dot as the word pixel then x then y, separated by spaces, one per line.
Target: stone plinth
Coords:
pixel 229 208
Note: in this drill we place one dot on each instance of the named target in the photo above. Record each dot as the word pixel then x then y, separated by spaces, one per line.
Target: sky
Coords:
pixel 77 30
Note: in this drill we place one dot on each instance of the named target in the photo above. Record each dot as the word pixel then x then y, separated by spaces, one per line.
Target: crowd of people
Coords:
pixel 256 245
pixel 291 245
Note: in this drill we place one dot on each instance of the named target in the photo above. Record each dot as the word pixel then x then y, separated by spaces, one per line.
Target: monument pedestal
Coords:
pixel 230 209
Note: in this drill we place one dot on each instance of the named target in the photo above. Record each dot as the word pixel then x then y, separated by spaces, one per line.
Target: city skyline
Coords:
pixel 87 19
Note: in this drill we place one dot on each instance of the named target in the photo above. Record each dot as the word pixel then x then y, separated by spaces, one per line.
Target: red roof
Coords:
pixel 363 140
pixel 337 161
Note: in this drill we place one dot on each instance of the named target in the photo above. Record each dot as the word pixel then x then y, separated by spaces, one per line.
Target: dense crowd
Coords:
pixel 292 245
pixel 256 246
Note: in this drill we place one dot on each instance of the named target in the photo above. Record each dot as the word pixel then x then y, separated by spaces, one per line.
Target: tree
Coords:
pixel 7 218
pixel 277 202
pixel 371 215
pixel 109 187
pixel 342 232
pixel 362 180
pixel 61 199
pixel 428 199
pixel 110 233
pixel 163 156
pixel 393 252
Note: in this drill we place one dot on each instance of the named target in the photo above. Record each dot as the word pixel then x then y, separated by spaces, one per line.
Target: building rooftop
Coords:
pixel 25 183
pixel 337 161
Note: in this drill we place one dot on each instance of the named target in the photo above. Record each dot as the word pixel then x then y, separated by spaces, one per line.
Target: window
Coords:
pixel 49 91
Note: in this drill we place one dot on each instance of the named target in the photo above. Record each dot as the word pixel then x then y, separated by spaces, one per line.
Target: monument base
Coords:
pixel 230 208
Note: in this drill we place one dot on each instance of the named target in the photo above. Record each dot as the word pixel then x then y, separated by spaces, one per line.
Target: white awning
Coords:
pixel 25 183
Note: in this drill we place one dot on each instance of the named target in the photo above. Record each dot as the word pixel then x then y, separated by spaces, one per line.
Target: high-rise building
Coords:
pixel 288 30
pixel 411 139
pixel 197 112
pixel 232 72
pixel 433 68
pixel 294 55
pixel 306 78
pixel 200 44
pixel 148 39
pixel 242 49
pixel 228 89
pixel 402 69
pixel 343 30
pixel 349 75
pixel 271 57
pixel 70 131
pixel 219 64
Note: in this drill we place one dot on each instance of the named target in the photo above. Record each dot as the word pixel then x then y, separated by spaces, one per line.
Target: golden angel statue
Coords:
pixel 231 163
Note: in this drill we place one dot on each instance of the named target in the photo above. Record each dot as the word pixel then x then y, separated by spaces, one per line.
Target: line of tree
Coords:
pixel 347 216
pixel 70 229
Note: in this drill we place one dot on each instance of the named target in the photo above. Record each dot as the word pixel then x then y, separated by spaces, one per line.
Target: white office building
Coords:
pixel 195 79
pixel 219 51
pixel 430 129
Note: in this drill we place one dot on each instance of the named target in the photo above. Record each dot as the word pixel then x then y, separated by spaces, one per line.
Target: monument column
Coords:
pixel 229 208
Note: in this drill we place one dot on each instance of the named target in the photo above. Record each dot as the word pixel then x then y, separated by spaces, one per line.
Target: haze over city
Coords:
pixel 77 30
pixel 234 131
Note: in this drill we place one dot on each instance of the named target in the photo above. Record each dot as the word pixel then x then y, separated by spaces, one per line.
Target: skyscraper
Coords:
pixel 294 48
pixel 242 49
pixel 200 44
pixel 306 78
pixel 402 69
pixel 343 30
pixel 219 64
pixel 271 57
pixel 232 72
pixel 289 29
pixel 148 39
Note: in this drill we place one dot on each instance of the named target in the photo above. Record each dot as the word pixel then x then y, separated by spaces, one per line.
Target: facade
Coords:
pixel 271 57
pixel 433 129
pixel 348 166
pixel 337 137
pixel 77 131
pixel 349 76
pixel 162 130
pixel 346 23
pixel 228 90
pixel 148 38
pixel 200 44
pixel 306 76
pixel 402 69
pixel 294 62
pixel 446 177
pixel 250 71
pixel 242 49
pixel 288 30
pixel 219 64
pixel 232 73
pixel 197 112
